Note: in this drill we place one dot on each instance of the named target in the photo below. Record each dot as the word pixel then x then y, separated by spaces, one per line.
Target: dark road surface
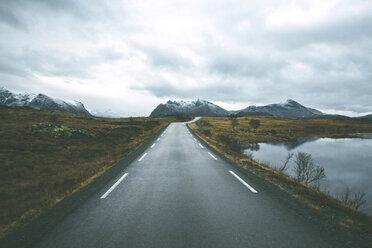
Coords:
pixel 179 194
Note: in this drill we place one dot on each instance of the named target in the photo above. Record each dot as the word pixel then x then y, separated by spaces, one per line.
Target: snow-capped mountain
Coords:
pixel 193 108
pixel 40 102
pixel 288 109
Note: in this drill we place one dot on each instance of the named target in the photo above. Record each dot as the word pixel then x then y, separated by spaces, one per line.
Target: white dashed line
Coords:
pixel 201 145
pixel 212 156
pixel 243 182
pixel 144 155
pixel 153 145
pixel 113 186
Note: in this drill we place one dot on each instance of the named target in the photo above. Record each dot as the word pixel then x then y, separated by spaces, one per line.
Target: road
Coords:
pixel 180 194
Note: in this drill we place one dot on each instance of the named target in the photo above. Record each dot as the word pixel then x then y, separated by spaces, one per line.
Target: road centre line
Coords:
pixel 153 145
pixel 158 139
pixel 243 182
pixel 212 156
pixel 144 155
pixel 201 145
pixel 113 186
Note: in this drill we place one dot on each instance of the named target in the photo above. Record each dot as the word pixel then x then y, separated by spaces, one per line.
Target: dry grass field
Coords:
pixel 281 129
pixel 45 156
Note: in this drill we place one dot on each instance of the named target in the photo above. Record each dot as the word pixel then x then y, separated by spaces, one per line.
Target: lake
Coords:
pixel 347 162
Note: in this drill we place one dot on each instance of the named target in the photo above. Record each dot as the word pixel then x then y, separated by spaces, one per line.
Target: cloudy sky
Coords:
pixel 124 57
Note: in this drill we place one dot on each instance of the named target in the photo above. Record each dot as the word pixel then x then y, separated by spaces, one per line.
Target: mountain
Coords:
pixel 40 102
pixel 366 116
pixel 193 108
pixel 288 109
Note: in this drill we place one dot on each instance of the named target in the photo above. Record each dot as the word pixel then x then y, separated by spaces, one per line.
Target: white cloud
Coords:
pixel 128 56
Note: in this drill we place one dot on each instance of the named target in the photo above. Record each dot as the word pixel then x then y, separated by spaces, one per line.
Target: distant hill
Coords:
pixel 289 109
pixel 40 102
pixel 193 108
pixel 366 116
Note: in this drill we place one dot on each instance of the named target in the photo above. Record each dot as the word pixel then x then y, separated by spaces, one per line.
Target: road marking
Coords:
pixel 243 182
pixel 144 155
pixel 194 139
pixel 201 145
pixel 153 145
pixel 212 156
pixel 113 186
pixel 158 139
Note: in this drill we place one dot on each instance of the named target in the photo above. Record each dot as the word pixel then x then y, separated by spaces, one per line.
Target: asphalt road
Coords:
pixel 179 194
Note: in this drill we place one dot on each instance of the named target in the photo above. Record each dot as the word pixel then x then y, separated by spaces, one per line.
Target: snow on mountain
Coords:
pixel 193 108
pixel 40 102
pixel 288 109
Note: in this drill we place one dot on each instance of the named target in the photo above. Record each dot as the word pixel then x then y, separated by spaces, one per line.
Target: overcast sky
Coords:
pixel 125 57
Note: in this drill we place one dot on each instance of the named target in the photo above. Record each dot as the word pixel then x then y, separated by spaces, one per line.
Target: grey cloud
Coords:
pixel 235 65
pixel 8 17
pixel 53 63
pixel 238 57
pixel 348 31
pixel 42 7
pixel 217 92
pixel 11 69
pixel 163 57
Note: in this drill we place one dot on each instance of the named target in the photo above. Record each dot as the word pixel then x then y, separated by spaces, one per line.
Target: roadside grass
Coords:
pixel 46 156
pixel 282 129
pixel 278 129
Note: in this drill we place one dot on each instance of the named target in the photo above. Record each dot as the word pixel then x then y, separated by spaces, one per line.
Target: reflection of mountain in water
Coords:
pixel 290 145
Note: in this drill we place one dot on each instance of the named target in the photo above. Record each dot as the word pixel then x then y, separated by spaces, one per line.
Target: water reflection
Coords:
pixel 347 162
pixel 252 147
pixel 290 145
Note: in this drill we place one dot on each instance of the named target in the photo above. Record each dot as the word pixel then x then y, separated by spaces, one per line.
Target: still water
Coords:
pixel 347 162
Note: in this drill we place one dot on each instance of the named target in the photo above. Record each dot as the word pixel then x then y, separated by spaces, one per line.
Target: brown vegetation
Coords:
pixel 45 156
pixel 266 128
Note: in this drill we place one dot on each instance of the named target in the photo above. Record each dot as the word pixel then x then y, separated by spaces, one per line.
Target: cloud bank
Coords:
pixel 125 57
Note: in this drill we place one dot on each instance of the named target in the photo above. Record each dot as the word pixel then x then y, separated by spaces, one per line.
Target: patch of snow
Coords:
pixel 74 103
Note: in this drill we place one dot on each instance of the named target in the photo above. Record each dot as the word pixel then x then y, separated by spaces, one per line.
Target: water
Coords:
pixel 347 162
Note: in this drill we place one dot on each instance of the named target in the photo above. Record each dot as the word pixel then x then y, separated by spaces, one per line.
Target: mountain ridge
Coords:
pixel 40 102
pixel 195 108
pixel 288 109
